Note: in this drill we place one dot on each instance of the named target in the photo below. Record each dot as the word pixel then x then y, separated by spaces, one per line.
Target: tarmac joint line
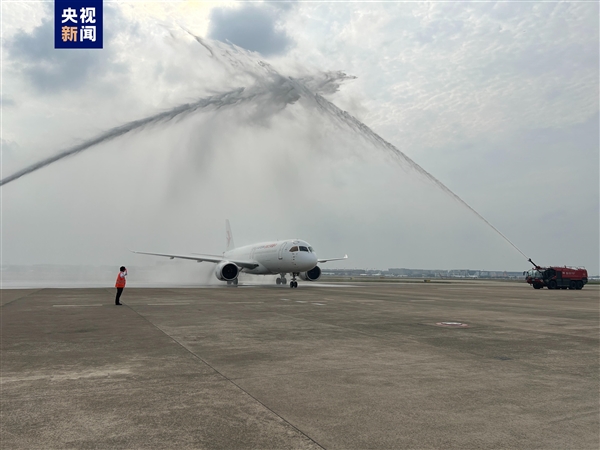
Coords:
pixel 20 298
pixel 225 377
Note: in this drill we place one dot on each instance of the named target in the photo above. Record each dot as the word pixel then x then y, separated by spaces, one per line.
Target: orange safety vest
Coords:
pixel 120 283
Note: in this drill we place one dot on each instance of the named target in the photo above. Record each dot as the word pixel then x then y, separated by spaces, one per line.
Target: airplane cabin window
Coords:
pixel 294 249
pixel 303 249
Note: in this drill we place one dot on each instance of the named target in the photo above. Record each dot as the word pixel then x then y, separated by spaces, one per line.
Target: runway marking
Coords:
pixel 452 324
pixel 320 304
pixel 166 304
pixel 300 301
pixel 65 306
pixel 285 299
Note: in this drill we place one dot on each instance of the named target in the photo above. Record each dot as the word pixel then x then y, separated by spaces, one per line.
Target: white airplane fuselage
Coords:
pixel 292 256
pixel 289 256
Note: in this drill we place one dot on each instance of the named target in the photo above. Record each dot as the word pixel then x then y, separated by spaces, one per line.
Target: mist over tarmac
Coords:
pixel 223 134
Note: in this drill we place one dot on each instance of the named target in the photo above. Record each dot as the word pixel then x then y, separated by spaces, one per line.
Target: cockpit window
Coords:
pixel 303 249
pixel 294 249
pixel 310 249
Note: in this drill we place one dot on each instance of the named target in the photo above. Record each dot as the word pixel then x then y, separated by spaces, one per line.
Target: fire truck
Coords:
pixel 556 277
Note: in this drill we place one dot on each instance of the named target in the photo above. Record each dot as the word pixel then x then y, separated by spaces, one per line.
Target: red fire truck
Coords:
pixel 556 277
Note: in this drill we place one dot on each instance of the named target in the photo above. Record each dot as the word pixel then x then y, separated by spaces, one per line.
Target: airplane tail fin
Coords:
pixel 228 237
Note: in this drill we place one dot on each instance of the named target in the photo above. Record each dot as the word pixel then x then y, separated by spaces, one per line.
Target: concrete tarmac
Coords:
pixel 357 367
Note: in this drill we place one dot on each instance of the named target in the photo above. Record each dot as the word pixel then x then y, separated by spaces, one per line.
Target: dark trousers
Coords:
pixel 119 292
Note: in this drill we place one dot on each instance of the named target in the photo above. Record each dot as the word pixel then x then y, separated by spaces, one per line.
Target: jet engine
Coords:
pixel 312 275
pixel 226 271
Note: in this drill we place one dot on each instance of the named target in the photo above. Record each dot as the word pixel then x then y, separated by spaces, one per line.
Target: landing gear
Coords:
pixel 281 280
pixel 294 283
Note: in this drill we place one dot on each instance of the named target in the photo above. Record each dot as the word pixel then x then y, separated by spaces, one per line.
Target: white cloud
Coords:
pixel 438 72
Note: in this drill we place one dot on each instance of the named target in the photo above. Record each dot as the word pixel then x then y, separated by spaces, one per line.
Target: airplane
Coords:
pixel 291 256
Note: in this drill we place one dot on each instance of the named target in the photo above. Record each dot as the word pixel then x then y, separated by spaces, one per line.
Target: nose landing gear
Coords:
pixel 294 283
pixel 283 280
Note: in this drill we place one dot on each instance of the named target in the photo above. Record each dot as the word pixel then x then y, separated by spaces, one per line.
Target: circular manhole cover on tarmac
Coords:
pixel 452 324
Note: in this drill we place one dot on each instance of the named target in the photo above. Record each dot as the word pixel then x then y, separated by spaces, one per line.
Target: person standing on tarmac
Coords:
pixel 120 284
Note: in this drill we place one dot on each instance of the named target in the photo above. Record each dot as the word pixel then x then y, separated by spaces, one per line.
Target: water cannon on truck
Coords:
pixel 556 277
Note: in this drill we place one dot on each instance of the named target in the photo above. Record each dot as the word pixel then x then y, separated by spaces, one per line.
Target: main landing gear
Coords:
pixel 281 280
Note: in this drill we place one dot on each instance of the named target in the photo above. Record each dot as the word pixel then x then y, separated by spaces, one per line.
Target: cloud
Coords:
pixel 52 71
pixel 254 28
pixel 9 149
pixel 6 101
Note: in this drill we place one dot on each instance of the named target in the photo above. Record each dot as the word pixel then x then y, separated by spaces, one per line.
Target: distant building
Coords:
pixel 423 273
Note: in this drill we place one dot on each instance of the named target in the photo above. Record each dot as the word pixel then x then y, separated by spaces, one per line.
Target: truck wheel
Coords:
pixel 537 286
pixel 552 284
pixel 573 285
pixel 579 285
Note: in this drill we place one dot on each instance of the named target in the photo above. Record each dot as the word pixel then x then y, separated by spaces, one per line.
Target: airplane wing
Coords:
pixel 332 259
pixel 201 258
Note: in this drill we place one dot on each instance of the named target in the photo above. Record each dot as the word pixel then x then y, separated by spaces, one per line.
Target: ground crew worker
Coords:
pixel 120 284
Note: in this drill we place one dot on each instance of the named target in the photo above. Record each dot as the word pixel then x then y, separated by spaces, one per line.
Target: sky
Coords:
pixel 498 101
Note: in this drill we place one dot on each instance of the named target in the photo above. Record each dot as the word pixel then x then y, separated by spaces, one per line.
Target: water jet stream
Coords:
pixel 364 130
pixel 226 99
pixel 278 90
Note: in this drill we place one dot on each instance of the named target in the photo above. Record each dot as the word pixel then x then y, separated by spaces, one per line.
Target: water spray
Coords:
pixel 271 87
pixel 225 99
pixel 359 127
